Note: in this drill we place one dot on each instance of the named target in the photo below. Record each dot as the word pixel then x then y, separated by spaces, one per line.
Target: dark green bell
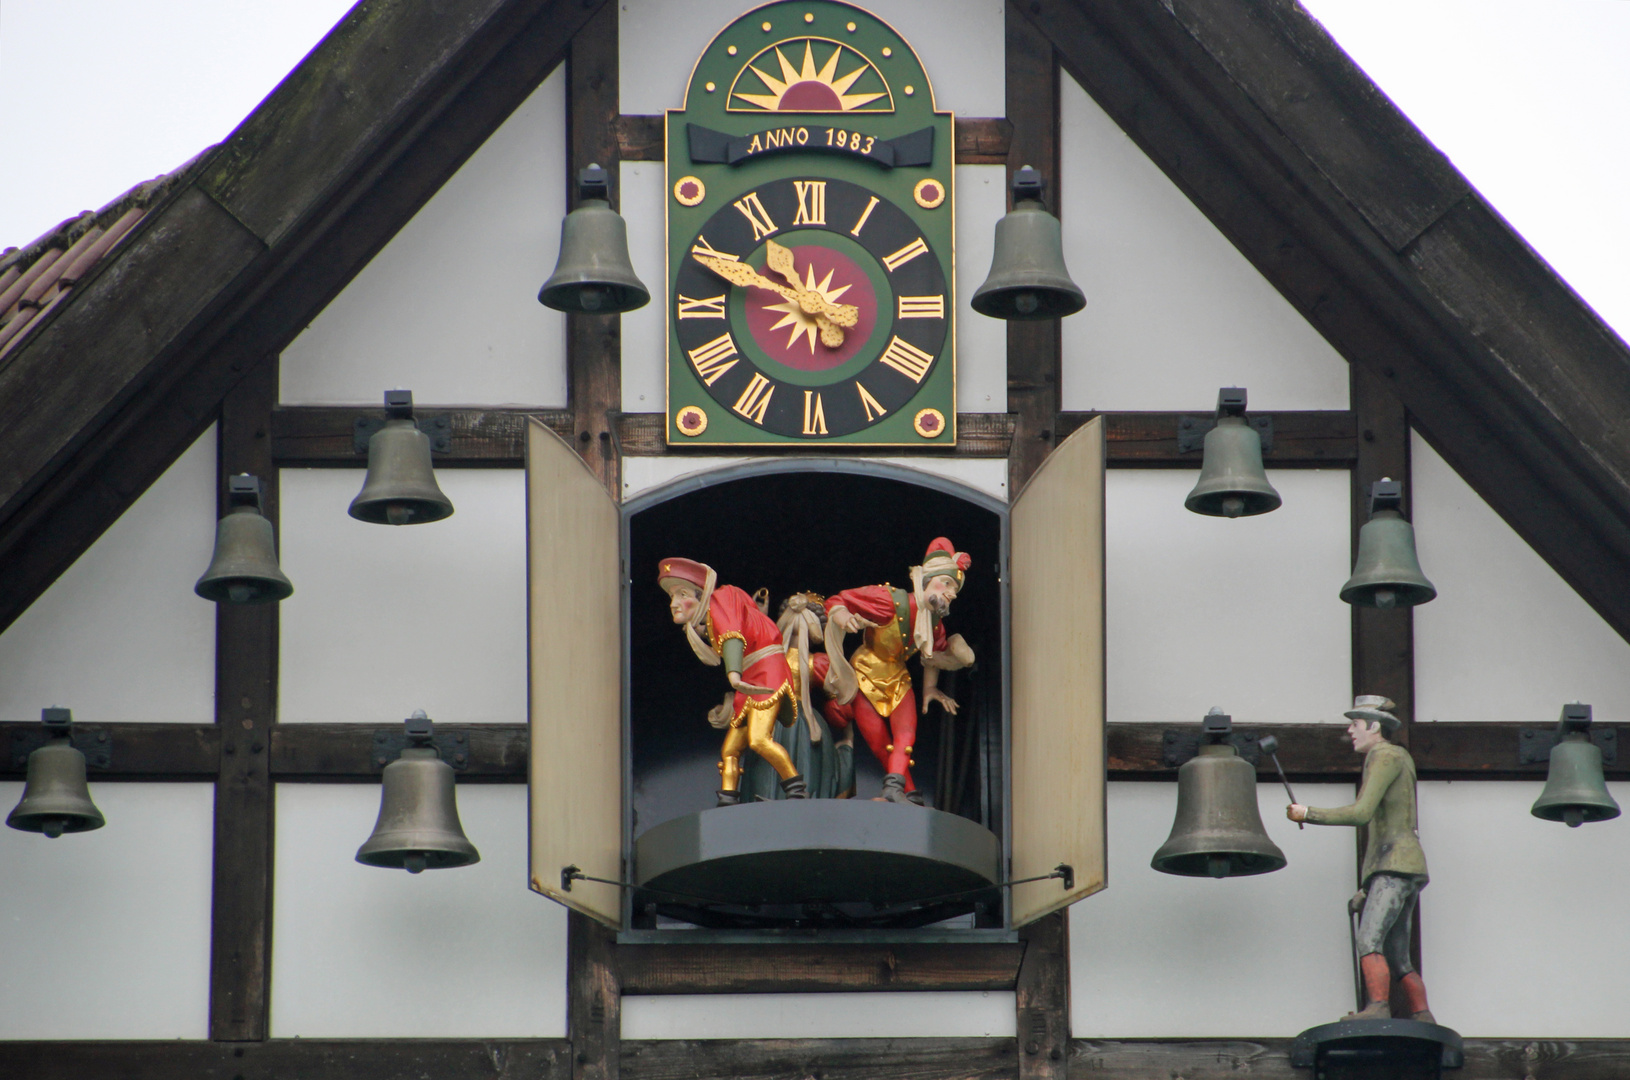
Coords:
pixel 401 485
pixel 1028 279
pixel 1218 830
pixel 244 568
pixel 1575 789
pixel 56 799
pixel 418 827
pixel 594 274
pixel 1386 573
pixel 1232 481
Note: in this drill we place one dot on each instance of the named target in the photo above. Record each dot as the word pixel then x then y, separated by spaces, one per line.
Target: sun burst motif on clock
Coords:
pixel 815 86
pixel 792 313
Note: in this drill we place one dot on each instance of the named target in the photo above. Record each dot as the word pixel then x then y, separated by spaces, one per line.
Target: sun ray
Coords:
pixel 763 101
pixel 804 77
pixel 855 101
pixel 777 87
pixel 842 85
pixel 830 67
pixel 788 72
pixel 794 317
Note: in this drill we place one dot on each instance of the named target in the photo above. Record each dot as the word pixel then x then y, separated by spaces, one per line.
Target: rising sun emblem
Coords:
pixel 793 315
pixel 810 88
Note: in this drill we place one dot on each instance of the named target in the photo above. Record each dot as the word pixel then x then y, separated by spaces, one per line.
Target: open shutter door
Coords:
pixel 1057 624
pixel 575 678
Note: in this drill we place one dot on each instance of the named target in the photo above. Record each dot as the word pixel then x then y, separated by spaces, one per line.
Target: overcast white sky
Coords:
pixel 1530 98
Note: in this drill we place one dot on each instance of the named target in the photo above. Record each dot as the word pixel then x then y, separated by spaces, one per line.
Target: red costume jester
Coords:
pixel 874 683
pixel 747 643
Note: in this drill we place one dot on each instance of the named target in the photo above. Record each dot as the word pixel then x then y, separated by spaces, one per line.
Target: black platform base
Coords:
pixel 1377 1050
pixel 837 862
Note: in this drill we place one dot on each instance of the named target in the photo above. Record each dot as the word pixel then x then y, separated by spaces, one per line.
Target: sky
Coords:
pixel 1529 98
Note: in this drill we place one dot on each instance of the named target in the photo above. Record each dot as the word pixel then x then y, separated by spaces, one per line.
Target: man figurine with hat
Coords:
pixel 874 684
pixel 746 642
pixel 1394 870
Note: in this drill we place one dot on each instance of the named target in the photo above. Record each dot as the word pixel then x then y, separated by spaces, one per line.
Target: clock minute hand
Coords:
pixel 738 273
pixel 780 259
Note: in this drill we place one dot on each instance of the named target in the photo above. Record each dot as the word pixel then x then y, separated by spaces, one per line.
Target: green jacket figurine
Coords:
pixel 1394 870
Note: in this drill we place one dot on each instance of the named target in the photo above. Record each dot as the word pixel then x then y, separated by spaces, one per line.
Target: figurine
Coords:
pixel 747 643
pixel 1394 870
pixel 827 763
pixel 874 684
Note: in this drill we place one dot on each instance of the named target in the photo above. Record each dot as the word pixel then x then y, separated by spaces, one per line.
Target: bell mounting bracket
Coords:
pixel 1191 430
pixel 1534 744
pixel 453 747
pixel 96 745
pixel 399 406
pixel 1178 745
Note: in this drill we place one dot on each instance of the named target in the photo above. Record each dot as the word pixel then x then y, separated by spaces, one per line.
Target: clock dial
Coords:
pixel 811 308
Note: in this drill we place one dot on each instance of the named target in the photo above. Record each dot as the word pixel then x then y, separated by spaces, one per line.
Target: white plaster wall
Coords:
pixel 930 1014
pixel 1156 955
pixel 1506 638
pixel 1174 311
pixel 385 620
pixel 105 934
pixel 363 952
pixel 1522 928
pixel 641 474
pixel 981 343
pixel 961 43
pixel 121 635
pixel 448 308
pixel 1238 613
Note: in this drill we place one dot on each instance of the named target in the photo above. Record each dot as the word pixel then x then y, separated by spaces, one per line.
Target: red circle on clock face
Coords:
pixel 791 337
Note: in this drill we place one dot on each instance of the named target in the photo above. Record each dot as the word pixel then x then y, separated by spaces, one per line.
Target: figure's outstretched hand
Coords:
pixel 735 681
pixel 931 695
pixel 1356 904
pixel 1296 812
pixel 851 623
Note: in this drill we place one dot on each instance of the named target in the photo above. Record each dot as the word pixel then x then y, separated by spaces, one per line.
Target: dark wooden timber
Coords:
pixel 148 752
pixel 1264 122
pixel 594 378
pixel 345 752
pixel 1033 348
pixel 593 999
pixel 1042 999
pixel 735 969
pixel 103 396
pixel 828 1059
pixel 245 709
pixel 289 1059
pixel 1314 439
pixel 980 140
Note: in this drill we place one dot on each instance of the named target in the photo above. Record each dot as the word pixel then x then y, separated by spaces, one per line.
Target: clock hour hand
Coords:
pixel 780 260
pixel 739 273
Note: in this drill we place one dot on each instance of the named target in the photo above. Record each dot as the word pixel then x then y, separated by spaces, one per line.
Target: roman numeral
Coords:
pixel 702 247
pixel 714 358
pixel 710 308
pixel 864 214
pixel 907 359
pixel 756 215
pixel 869 403
pixel 921 307
pixel 814 414
pixel 811 202
pixel 905 255
pixel 755 399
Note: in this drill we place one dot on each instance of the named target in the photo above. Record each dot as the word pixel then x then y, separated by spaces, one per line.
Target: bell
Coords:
pixel 56 798
pixel 244 569
pixel 594 274
pixel 1218 830
pixel 418 827
pixel 1575 791
pixel 1386 573
pixel 401 485
pixel 1232 481
pixel 1028 279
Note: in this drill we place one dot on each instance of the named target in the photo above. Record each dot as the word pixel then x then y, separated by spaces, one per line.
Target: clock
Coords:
pixel 810 239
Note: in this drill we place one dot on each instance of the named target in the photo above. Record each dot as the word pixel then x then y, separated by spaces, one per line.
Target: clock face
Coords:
pixel 812 308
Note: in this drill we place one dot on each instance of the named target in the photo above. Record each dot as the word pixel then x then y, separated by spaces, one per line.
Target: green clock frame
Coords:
pixel 864 169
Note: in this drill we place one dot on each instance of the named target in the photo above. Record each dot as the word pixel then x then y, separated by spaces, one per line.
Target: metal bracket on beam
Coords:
pixel 439 429
pixel 452 746
pixel 96 745
pixel 1181 744
pixel 1191 432
pixel 1534 744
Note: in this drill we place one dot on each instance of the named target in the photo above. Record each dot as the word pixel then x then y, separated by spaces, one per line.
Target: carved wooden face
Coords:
pixel 1365 736
pixel 939 592
pixel 682 603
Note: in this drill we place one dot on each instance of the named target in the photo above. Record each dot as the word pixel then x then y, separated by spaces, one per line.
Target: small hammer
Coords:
pixel 1268 745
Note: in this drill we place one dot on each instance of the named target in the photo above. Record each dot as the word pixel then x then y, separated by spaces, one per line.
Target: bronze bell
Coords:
pixel 1575 790
pixel 56 798
pixel 244 569
pixel 1028 279
pixel 418 827
pixel 1232 481
pixel 1386 573
pixel 594 274
pixel 401 485
pixel 1218 830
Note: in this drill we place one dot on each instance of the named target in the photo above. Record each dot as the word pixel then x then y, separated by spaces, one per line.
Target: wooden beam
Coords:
pixel 287 1059
pixel 778 968
pixel 828 1059
pixel 345 752
pixel 245 709
pixel 593 999
pixel 980 140
pixel 1042 999
pixel 146 751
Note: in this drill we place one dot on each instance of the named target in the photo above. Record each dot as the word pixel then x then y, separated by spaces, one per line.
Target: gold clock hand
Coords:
pixel 779 259
pixel 828 316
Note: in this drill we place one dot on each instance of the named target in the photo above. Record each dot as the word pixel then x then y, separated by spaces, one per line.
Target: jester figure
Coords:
pixel 743 639
pixel 872 688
